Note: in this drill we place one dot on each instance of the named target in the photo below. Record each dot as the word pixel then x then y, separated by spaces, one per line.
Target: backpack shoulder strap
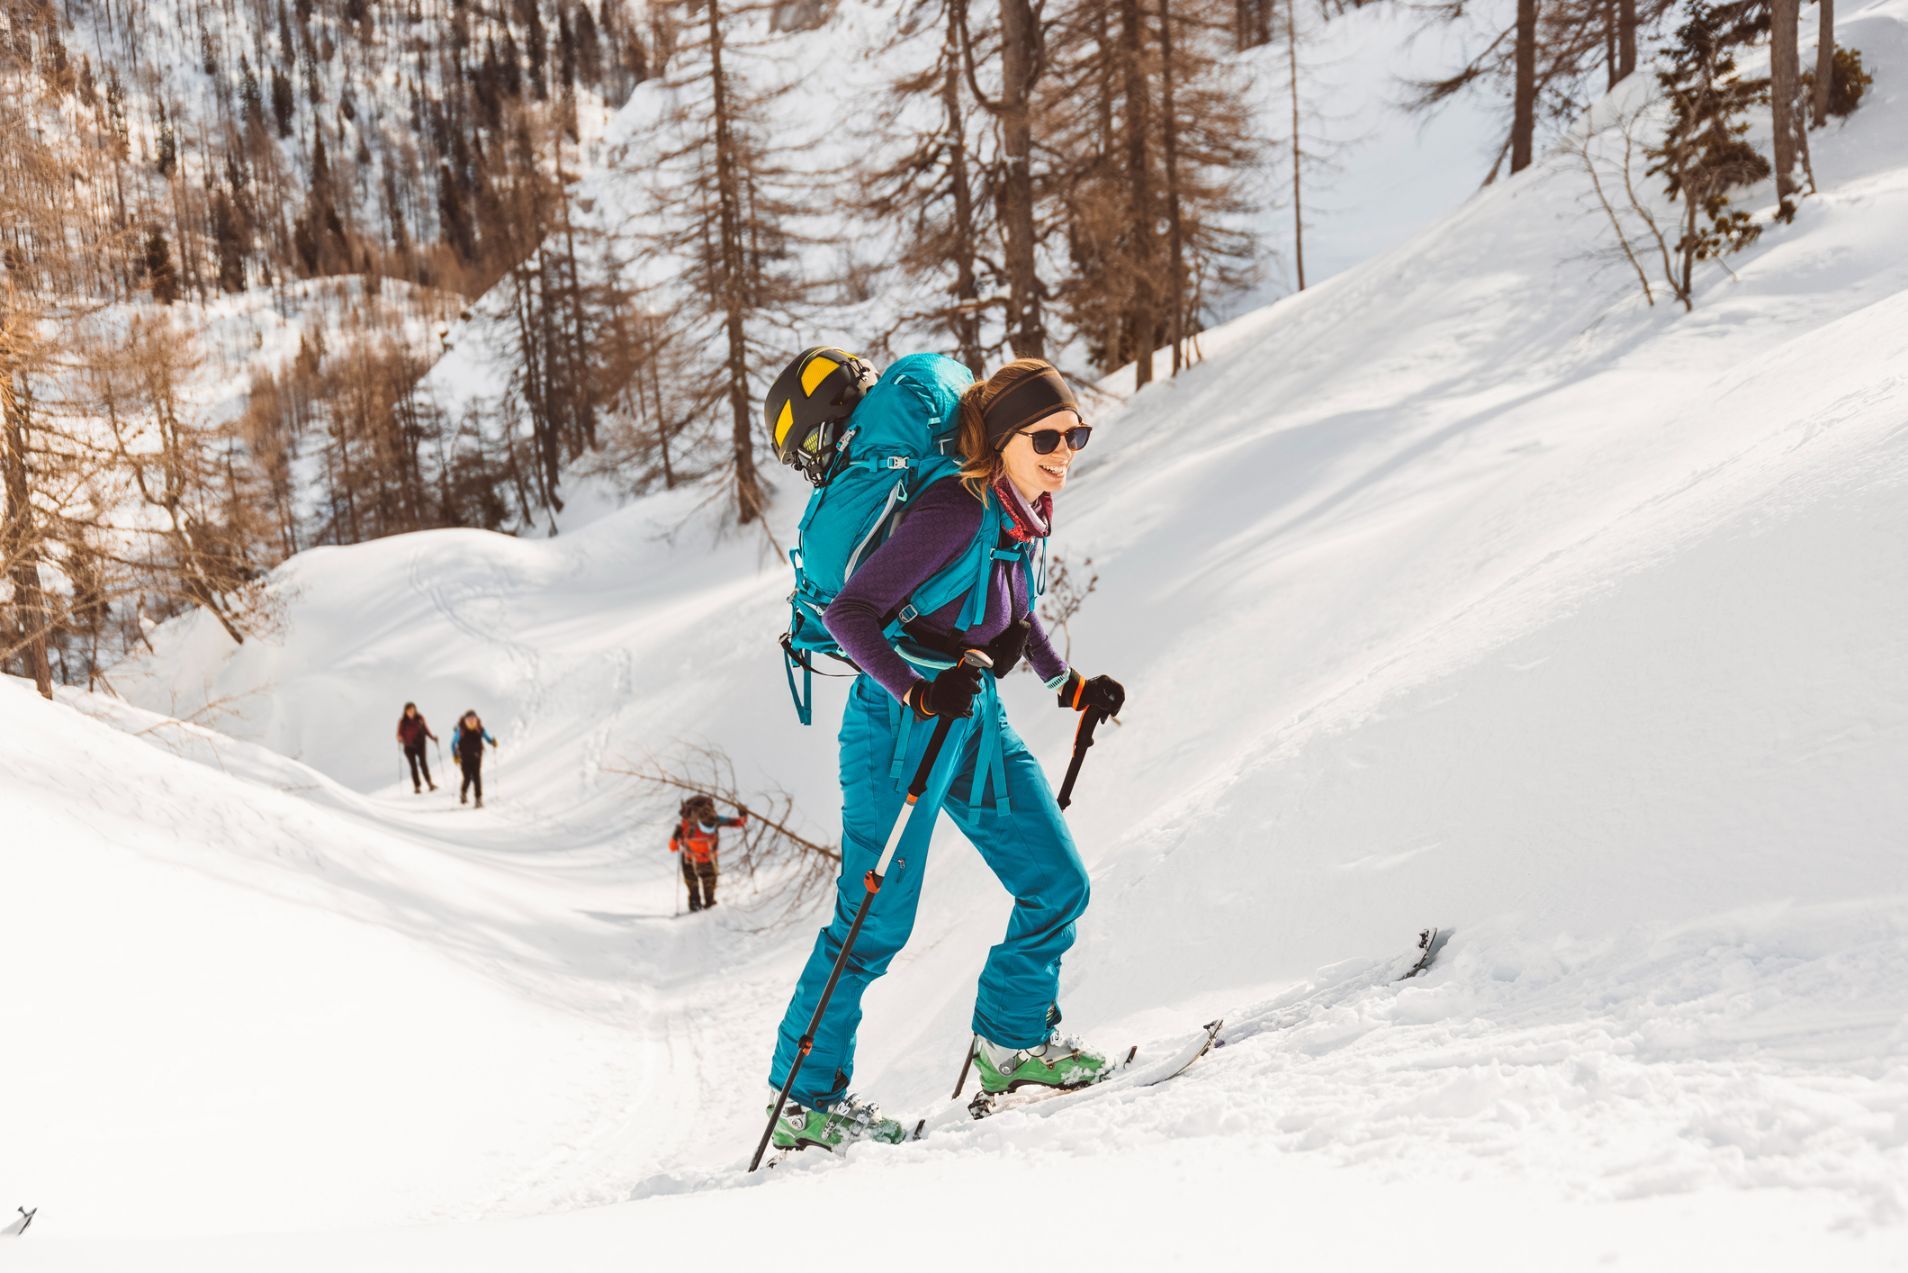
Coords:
pixel 969 575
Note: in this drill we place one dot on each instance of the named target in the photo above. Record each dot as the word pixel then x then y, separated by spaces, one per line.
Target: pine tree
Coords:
pixel 1014 57
pixel 1544 60
pixel 167 155
pixel 283 103
pixel 228 243
pixel 173 464
pixel 251 100
pixel 55 271
pixel 589 47
pixel 1252 22
pixel 1209 145
pixel 1704 154
pixel 933 193
pixel 159 271
pixel 1143 113
pixel 724 210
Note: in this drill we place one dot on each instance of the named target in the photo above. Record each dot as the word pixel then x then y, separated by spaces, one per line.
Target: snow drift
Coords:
pixel 1462 589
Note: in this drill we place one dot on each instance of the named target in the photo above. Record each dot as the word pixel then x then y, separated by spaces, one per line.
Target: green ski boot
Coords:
pixel 845 1121
pixel 1059 1062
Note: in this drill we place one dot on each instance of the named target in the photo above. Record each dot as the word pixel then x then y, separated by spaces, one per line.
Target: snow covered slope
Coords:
pixel 1376 173
pixel 1462 589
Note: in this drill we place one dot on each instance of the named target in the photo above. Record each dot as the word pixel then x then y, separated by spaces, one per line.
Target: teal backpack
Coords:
pixel 902 438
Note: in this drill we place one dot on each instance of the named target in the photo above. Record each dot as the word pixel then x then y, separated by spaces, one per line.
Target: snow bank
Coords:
pixel 1461 589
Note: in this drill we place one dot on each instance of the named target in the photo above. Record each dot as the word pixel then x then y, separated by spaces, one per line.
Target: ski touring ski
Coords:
pixel 1129 1072
pixel 1206 1043
pixel 1430 942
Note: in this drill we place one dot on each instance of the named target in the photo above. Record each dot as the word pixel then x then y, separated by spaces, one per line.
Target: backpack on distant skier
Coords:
pixel 897 438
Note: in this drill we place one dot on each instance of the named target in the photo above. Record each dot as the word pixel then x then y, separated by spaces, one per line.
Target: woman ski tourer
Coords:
pixel 1018 433
pixel 467 744
pixel 412 731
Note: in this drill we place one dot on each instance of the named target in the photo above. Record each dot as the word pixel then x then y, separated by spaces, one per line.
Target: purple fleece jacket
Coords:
pixel 938 527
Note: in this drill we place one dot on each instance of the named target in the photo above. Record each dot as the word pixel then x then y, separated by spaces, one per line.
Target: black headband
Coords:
pixel 1034 398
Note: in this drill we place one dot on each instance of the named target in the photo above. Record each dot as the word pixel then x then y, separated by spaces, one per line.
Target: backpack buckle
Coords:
pixel 897 461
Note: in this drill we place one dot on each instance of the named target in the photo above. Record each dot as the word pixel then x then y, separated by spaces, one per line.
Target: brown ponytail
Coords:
pixel 981 463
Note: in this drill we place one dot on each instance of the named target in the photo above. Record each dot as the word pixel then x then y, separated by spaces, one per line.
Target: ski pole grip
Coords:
pixel 973 658
pixel 1082 739
pixel 1089 721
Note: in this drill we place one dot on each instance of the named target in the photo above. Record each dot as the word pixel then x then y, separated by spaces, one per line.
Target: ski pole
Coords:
pixel 973 1046
pixel 871 882
pixel 1082 739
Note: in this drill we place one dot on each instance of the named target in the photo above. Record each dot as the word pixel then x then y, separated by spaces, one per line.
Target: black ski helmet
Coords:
pixel 810 402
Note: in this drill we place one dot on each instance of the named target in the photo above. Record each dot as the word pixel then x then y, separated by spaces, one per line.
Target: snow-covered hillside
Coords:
pixel 1377 172
pixel 1461 589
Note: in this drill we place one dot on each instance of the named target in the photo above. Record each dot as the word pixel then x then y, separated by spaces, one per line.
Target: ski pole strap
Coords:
pixel 990 759
pixel 1082 739
pixel 925 769
pixel 805 696
pixel 901 721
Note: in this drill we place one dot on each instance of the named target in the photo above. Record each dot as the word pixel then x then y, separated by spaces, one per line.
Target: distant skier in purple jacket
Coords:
pixel 1020 431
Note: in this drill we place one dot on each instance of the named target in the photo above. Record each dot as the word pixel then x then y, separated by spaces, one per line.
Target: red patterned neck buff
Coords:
pixel 1025 521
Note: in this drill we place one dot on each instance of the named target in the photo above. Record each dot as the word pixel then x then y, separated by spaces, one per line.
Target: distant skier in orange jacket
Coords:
pixel 698 837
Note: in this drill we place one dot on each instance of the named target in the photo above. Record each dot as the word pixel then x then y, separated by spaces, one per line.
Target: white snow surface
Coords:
pixel 1461 589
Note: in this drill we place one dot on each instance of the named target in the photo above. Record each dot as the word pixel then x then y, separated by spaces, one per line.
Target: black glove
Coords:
pixel 1007 648
pixel 951 694
pixel 1102 694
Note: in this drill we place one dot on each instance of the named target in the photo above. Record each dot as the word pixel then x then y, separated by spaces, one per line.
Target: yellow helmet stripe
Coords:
pixel 817 370
pixel 783 423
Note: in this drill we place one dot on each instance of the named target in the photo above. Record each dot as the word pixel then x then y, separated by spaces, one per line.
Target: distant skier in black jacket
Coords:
pixel 467 741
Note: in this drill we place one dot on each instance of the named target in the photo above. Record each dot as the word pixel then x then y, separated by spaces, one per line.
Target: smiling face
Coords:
pixel 1032 474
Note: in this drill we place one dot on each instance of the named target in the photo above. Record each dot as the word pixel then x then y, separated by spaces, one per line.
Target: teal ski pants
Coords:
pixel 995 791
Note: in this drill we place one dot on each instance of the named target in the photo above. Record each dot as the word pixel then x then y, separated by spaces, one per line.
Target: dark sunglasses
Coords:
pixel 1047 441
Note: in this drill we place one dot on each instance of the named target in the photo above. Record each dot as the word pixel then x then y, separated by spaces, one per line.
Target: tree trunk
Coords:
pixel 1626 39
pixel 17 535
pixel 1175 220
pixel 652 355
pixel 1142 315
pixel 1019 47
pixel 1783 18
pixel 1824 61
pixel 1298 150
pixel 583 391
pixel 966 324
pixel 748 487
pixel 1610 45
pixel 1524 108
